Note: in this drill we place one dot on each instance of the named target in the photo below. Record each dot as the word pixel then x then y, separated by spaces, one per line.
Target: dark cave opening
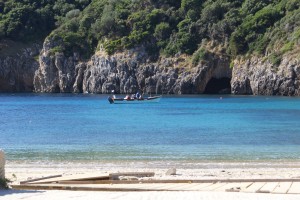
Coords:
pixel 218 86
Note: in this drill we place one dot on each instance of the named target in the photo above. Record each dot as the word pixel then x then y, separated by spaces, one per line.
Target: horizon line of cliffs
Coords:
pixel 131 71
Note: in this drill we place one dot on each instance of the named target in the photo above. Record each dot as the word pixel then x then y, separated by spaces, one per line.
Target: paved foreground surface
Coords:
pixel 274 187
pixel 167 195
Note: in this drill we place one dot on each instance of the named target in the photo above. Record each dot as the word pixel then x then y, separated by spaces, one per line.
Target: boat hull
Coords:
pixel 154 99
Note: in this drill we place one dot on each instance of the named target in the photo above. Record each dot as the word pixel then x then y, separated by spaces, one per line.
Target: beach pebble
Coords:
pixel 171 172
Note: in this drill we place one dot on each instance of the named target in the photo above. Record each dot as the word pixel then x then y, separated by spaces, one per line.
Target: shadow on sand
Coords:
pixel 12 191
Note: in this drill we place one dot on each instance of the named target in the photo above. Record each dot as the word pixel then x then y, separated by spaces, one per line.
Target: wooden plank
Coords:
pixel 183 186
pixel 106 187
pixel 241 186
pixel 176 186
pixel 194 186
pixel 229 186
pixel 137 187
pixel 118 187
pixel 201 186
pixel 115 176
pixel 213 187
pixel 41 178
pixel 245 185
pixel 282 187
pixel 241 180
pixel 106 181
pixel 76 177
pixel 295 188
pixel 82 182
pixel 253 187
pixel 160 186
pixel 170 186
pixel 268 187
pixel 134 187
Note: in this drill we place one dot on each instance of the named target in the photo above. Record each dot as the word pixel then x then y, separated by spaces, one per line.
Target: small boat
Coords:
pixel 128 99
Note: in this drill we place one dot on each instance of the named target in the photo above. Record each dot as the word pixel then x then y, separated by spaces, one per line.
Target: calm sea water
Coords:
pixel 70 127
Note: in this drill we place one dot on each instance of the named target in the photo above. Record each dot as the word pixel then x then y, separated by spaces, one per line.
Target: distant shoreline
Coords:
pixel 203 164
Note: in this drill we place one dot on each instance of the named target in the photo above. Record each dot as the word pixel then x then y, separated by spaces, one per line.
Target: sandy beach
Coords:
pixel 19 172
pixel 214 170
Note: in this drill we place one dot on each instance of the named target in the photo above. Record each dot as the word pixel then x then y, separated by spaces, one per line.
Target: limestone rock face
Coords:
pixel 124 73
pixel 56 72
pixel 17 69
pixel 134 70
pixel 258 77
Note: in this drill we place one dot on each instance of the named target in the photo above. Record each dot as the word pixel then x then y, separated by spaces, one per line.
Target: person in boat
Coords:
pixel 127 97
pixel 137 95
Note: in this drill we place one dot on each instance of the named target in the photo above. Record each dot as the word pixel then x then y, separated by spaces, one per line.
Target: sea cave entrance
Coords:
pixel 218 86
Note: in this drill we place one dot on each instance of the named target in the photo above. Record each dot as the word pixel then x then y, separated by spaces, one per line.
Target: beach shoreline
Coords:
pixel 20 171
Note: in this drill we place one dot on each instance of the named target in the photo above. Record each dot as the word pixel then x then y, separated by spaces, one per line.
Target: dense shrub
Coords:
pixel 199 55
pixel 31 19
pixel 163 26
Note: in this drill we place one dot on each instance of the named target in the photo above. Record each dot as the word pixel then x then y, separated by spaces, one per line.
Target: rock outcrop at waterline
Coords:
pixel 130 71
pixel 56 73
pixel 17 67
pixel 261 77
pixel 125 72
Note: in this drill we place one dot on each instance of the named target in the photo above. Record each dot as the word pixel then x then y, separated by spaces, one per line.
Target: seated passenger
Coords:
pixel 137 95
pixel 127 97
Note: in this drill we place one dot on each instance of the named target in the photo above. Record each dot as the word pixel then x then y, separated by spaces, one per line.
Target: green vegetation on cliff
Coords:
pixel 162 26
pixel 23 20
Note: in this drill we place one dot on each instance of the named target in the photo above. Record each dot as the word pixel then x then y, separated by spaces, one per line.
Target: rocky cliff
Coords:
pixel 56 73
pixel 259 76
pixel 132 71
pixel 127 72
pixel 17 66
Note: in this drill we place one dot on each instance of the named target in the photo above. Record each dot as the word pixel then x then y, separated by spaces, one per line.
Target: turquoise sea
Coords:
pixel 193 128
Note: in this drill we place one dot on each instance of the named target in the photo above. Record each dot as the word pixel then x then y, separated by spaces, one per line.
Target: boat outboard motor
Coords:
pixel 110 100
